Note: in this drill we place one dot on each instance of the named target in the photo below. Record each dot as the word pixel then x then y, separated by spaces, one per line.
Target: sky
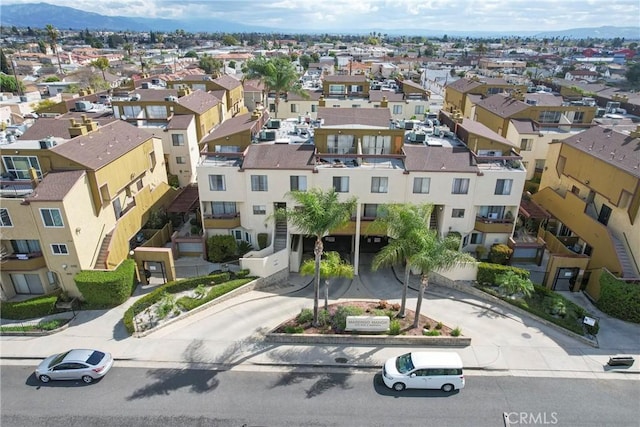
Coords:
pixel 366 15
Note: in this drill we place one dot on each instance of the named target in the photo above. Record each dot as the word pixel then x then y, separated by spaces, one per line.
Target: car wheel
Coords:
pixel 87 379
pixel 398 386
pixel 44 378
pixel 447 388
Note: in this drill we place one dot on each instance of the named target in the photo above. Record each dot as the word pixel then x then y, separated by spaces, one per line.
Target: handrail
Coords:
pixel 628 248
pixel 97 249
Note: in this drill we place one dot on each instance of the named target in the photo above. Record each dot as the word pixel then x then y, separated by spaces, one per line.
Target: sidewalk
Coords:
pixel 230 336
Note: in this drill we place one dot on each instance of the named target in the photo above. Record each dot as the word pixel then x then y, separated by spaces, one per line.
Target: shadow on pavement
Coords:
pixel 32 381
pixel 383 390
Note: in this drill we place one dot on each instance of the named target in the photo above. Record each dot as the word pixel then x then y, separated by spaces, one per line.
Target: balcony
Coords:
pixel 24 262
pixel 493 225
pixel 221 221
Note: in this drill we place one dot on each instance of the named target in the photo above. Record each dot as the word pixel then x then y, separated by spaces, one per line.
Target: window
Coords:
pixel 355 105
pixel 476 238
pixel 177 139
pixel 25 246
pixel 104 193
pixel 340 144
pixel 397 109
pixel 491 212
pixel 369 211
pixel 379 184
pixel 549 117
pixel 457 213
pixel 578 117
pixel 224 209
pixel 460 186
pixel 259 183
pixel 419 109
pixel 376 144
pixel 314 108
pixel 131 111
pixel 152 160
pixel 51 217
pixel 139 184
pixel 59 249
pixel 156 112
pixel 503 186
pixel 259 210
pixel 180 160
pixel 216 183
pixel 298 183
pixel 5 219
pixel 294 108
pixel 421 185
pixel 337 89
pixel 341 184
pixel 526 144
pixel 17 167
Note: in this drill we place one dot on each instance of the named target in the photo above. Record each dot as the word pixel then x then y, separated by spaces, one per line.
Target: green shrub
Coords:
pixel 262 240
pixel 305 316
pixel 439 325
pixel 242 273
pixel 324 318
pixel 165 306
pixel 619 299
pixel 488 273
pixel 339 320
pixel 105 289
pixel 293 329
pixel 221 248
pixel 173 180
pixel 244 247
pixel 200 291
pixel 195 230
pixel 29 309
pixel 394 327
pixel 188 303
pixel 500 253
pixel 456 332
pixel 53 324
pixel 433 333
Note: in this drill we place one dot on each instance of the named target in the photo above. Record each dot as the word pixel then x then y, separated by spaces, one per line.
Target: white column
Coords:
pixel 356 252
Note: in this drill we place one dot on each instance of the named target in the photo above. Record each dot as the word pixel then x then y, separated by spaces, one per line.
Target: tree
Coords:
pixel 191 54
pixel 633 74
pixel 101 64
pixel 331 266
pixel 8 84
pixel 52 34
pixel 128 47
pixel 317 214
pixel 277 74
pixel 210 65
pixel 400 221
pixel 4 63
pixel 434 253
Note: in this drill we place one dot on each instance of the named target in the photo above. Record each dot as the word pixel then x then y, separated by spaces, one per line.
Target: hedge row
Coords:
pixel 619 299
pixel 488 272
pixel 29 309
pixel 104 289
pixel 189 303
pixel 172 288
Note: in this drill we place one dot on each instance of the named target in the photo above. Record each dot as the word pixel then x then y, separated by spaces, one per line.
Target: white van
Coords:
pixel 431 370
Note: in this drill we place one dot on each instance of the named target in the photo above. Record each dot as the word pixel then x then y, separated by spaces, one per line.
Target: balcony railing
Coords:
pixel 23 262
pixel 493 225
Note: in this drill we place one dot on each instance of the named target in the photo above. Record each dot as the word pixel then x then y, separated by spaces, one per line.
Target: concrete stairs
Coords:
pixel 280 236
pixel 101 261
pixel 628 268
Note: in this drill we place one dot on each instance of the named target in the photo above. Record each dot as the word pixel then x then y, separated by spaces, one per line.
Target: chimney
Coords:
pixel 77 129
pixel 635 133
pixel 91 125
pixel 384 103
pixel 256 115
pixel 321 101
pixel 183 91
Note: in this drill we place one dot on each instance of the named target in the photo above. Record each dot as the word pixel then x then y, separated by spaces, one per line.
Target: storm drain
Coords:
pixel 341 360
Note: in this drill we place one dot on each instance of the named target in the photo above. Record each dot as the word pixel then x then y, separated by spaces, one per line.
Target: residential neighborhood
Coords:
pixel 153 153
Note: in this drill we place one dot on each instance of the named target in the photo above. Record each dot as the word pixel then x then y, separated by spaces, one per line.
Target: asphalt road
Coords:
pixel 165 397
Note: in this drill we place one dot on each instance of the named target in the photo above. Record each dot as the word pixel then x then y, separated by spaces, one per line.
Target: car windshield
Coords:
pixel 404 363
pixel 95 358
pixel 58 359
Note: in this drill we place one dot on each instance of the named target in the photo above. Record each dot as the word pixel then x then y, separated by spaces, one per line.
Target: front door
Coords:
pixel 565 279
pixel 605 213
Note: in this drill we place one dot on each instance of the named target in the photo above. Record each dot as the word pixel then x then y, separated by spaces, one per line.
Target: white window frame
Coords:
pixel 503 187
pixel 259 209
pixel 259 183
pixel 177 139
pixel 526 144
pixel 50 211
pixel 59 249
pixel 217 186
pixel 298 183
pixel 419 184
pixel 341 184
pixel 419 109
pixel 457 213
pixel 379 184
pixel 180 160
pixel 397 109
pixel 21 174
pixel 5 218
pixel 460 186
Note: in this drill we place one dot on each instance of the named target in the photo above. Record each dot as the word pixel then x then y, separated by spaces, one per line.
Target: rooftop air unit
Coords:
pixel 145 85
pixel 83 105
pixel 171 98
pixel 135 97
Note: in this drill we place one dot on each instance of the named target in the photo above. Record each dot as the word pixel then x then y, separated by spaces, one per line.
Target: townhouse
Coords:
pixel 76 204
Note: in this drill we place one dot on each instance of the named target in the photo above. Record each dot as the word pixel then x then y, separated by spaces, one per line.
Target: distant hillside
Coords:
pixel 38 15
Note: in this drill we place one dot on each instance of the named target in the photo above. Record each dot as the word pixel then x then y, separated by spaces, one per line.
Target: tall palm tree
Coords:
pixel 399 221
pixel 331 266
pixel 317 214
pixel 101 64
pixel 52 34
pixel 434 253
pixel 277 74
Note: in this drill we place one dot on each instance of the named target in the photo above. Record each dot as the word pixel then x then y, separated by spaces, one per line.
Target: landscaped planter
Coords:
pixel 341 339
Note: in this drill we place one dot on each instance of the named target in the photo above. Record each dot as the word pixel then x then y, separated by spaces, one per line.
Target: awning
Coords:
pixel 185 201
pixel 530 209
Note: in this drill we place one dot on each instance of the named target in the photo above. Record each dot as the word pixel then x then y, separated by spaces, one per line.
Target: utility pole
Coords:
pixel 15 76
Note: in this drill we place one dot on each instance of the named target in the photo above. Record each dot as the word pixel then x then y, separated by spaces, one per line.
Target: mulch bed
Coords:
pixel 406 323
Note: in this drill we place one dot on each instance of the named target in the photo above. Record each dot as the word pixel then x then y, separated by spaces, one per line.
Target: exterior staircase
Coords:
pixel 280 236
pixel 101 261
pixel 628 269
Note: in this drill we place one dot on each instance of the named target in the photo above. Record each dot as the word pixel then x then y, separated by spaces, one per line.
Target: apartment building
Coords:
pixel 72 205
pixel 227 89
pixel 590 188
pixel 358 153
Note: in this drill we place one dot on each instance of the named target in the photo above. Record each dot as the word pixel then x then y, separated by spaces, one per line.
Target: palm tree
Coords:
pixel 317 214
pixel 434 253
pixel 400 221
pixel 52 33
pixel 331 266
pixel 128 47
pixel 277 74
pixel 511 283
pixel 101 64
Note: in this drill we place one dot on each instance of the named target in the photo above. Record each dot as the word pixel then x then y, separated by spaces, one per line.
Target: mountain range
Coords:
pixel 38 15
